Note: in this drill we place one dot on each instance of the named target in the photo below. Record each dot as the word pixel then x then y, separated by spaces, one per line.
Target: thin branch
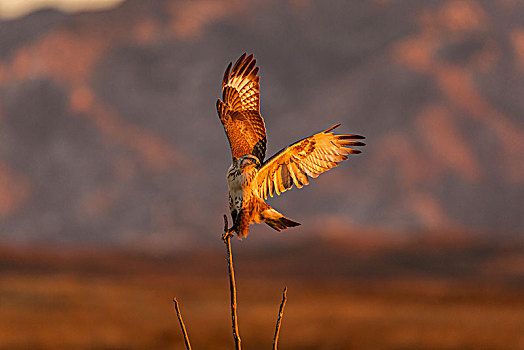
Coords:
pixel 279 319
pixel 226 237
pixel 182 325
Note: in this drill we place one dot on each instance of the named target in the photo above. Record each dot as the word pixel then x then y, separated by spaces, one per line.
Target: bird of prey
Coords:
pixel 250 178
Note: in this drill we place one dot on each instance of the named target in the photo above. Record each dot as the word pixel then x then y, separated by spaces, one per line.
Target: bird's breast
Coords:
pixel 239 181
pixel 234 179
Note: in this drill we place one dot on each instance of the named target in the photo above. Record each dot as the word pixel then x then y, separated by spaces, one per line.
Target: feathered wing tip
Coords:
pixel 307 158
pixel 345 137
pixel 332 128
pixel 346 140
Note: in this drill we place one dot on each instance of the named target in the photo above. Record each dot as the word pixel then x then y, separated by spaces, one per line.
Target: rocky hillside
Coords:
pixel 108 128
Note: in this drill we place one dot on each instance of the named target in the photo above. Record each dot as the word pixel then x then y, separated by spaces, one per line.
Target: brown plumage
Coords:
pixel 239 111
pixel 250 179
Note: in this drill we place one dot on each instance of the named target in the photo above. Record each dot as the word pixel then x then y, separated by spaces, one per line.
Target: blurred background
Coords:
pixel 113 162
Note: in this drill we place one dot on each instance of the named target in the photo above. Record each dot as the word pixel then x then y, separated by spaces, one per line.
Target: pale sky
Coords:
pixel 16 8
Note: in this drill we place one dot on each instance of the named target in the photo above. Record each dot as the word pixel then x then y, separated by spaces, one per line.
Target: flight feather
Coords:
pixel 306 158
pixel 239 109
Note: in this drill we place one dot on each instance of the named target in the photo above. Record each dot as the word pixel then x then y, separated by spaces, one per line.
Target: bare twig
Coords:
pixel 182 325
pixel 279 319
pixel 226 237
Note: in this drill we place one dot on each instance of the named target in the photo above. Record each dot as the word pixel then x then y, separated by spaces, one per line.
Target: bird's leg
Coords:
pixel 225 235
pixel 228 231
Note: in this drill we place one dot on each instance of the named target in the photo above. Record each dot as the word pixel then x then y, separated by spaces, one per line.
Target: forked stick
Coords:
pixel 182 325
pixel 226 237
pixel 279 319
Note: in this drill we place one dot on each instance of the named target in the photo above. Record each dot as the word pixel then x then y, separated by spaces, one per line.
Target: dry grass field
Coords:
pixel 431 297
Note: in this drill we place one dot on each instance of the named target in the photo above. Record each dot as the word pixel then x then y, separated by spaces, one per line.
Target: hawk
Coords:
pixel 251 179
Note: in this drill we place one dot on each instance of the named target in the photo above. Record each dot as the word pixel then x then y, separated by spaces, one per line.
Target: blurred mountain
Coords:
pixel 109 134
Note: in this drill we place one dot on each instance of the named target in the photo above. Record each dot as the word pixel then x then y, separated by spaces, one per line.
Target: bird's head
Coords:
pixel 249 160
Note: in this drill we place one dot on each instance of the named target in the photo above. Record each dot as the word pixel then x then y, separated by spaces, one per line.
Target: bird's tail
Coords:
pixel 276 220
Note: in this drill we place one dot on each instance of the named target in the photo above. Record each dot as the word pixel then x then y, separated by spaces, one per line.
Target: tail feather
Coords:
pixel 276 220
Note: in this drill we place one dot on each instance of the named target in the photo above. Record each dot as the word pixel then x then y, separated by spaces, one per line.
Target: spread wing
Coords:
pixel 308 157
pixel 239 109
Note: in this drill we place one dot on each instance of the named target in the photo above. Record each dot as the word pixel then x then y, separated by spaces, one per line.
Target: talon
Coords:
pixel 228 233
